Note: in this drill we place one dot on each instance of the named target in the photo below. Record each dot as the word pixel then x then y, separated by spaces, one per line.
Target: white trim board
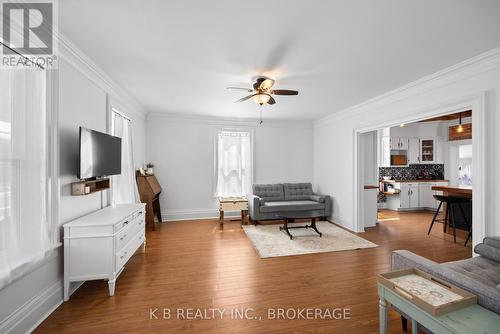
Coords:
pixel 31 314
pixel 224 121
pixel 80 61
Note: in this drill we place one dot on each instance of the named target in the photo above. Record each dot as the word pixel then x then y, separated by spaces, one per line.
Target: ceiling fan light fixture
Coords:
pixel 261 98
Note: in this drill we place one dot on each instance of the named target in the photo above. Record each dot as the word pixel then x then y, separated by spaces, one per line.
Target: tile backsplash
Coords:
pixel 434 171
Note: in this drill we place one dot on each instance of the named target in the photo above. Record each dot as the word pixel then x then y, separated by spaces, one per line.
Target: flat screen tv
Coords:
pixel 100 154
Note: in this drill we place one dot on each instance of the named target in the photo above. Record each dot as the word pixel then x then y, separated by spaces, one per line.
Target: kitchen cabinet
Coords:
pixel 430 150
pixel 413 151
pixel 399 143
pixel 409 196
pixel 426 194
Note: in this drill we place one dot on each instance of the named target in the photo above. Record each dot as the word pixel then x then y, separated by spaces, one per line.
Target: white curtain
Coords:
pixel 124 187
pixel 25 231
pixel 234 163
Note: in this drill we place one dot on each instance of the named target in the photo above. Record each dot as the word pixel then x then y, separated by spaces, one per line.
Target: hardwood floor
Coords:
pixel 193 264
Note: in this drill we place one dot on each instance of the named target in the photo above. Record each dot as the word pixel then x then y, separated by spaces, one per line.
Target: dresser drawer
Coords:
pixel 129 220
pixel 125 234
pixel 124 223
pixel 124 255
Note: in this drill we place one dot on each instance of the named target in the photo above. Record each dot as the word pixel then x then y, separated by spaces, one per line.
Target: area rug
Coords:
pixel 269 241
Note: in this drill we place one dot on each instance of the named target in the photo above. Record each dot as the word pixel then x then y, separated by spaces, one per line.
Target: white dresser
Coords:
pixel 98 245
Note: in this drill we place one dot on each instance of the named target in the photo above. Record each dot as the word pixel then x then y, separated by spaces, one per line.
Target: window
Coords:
pixel 25 229
pixel 234 162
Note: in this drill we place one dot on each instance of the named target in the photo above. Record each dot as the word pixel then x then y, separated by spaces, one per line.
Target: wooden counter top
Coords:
pixel 370 186
pixel 454 190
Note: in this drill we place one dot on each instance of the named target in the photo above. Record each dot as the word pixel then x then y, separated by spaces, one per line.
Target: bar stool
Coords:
pixel 451 201
pixel 441 199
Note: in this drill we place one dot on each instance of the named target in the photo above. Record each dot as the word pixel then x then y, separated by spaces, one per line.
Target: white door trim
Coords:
pixel 476 102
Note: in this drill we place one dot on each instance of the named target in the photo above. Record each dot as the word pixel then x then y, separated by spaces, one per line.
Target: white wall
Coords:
pixel 334 135
pixel 182 150
pixel 83 101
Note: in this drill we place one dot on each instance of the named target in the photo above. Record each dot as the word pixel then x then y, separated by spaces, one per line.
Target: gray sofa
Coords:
pixel 268 201
pixel 479 275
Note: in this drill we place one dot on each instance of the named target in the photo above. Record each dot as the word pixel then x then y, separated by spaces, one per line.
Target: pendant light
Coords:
pixel 460 127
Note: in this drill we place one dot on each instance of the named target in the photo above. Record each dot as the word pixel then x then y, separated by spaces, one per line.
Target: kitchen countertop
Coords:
pixel 370 186
pixel 414 181
pixel 454 190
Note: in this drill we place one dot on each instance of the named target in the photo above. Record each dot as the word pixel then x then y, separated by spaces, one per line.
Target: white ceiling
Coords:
pixel 178 56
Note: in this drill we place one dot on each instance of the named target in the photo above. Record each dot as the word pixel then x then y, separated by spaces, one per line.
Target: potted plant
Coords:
pixel 149 168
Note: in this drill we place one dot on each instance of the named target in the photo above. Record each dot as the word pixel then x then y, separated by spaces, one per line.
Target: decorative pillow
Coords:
pixel 488 252
pixel 317 198
pixel 492 241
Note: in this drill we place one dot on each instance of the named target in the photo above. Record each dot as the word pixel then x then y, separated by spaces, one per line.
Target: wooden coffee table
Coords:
pixel 291 217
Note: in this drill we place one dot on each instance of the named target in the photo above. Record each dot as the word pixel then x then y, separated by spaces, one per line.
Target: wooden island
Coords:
pixel 465 191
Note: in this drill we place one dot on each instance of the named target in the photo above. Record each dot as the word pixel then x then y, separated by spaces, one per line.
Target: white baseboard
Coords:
pixel 343 223
pixel 176 215
pixel 30 315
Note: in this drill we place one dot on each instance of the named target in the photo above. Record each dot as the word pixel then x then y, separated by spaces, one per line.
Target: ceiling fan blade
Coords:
pixel 284 92
pixel 271 101
pixel 256 85
pixel 246 98
pixel 241 88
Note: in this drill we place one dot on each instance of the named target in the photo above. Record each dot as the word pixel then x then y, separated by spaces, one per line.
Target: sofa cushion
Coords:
pixel 269 192
pixel 297 191
pixel 478 269
pixel 291 206
pixel 492 241
pixel 488 252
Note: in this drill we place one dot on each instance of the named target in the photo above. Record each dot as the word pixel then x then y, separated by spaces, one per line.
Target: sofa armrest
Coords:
pixel 323 199
pixel 317 198
pixel 403 259
pixel 253 206
pixel 487 296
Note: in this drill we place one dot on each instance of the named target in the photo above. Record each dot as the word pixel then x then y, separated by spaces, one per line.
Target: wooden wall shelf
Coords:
pixel 78 188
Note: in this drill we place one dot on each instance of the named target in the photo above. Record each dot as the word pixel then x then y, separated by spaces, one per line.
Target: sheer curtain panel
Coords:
pixel 124 186
pixel 234 163
pixel 25 232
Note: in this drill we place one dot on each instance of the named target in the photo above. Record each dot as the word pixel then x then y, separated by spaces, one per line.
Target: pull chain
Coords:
pixel 261 107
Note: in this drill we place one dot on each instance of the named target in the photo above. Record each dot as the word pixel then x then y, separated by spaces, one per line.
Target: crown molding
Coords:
pixel 227 121
pixel 70 53
pixel 481 63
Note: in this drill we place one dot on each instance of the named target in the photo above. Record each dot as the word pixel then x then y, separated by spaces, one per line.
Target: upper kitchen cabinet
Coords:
pixel 398 143
pixel 430 150
pixel 413 151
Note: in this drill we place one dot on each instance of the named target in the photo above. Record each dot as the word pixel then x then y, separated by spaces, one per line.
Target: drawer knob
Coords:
pixel 123 237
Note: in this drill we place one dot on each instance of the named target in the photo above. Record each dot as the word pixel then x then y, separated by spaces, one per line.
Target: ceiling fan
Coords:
pixel 262 91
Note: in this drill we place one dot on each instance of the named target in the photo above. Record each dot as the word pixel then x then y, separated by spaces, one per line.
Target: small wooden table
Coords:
pixel 468 320
pixel 233 204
